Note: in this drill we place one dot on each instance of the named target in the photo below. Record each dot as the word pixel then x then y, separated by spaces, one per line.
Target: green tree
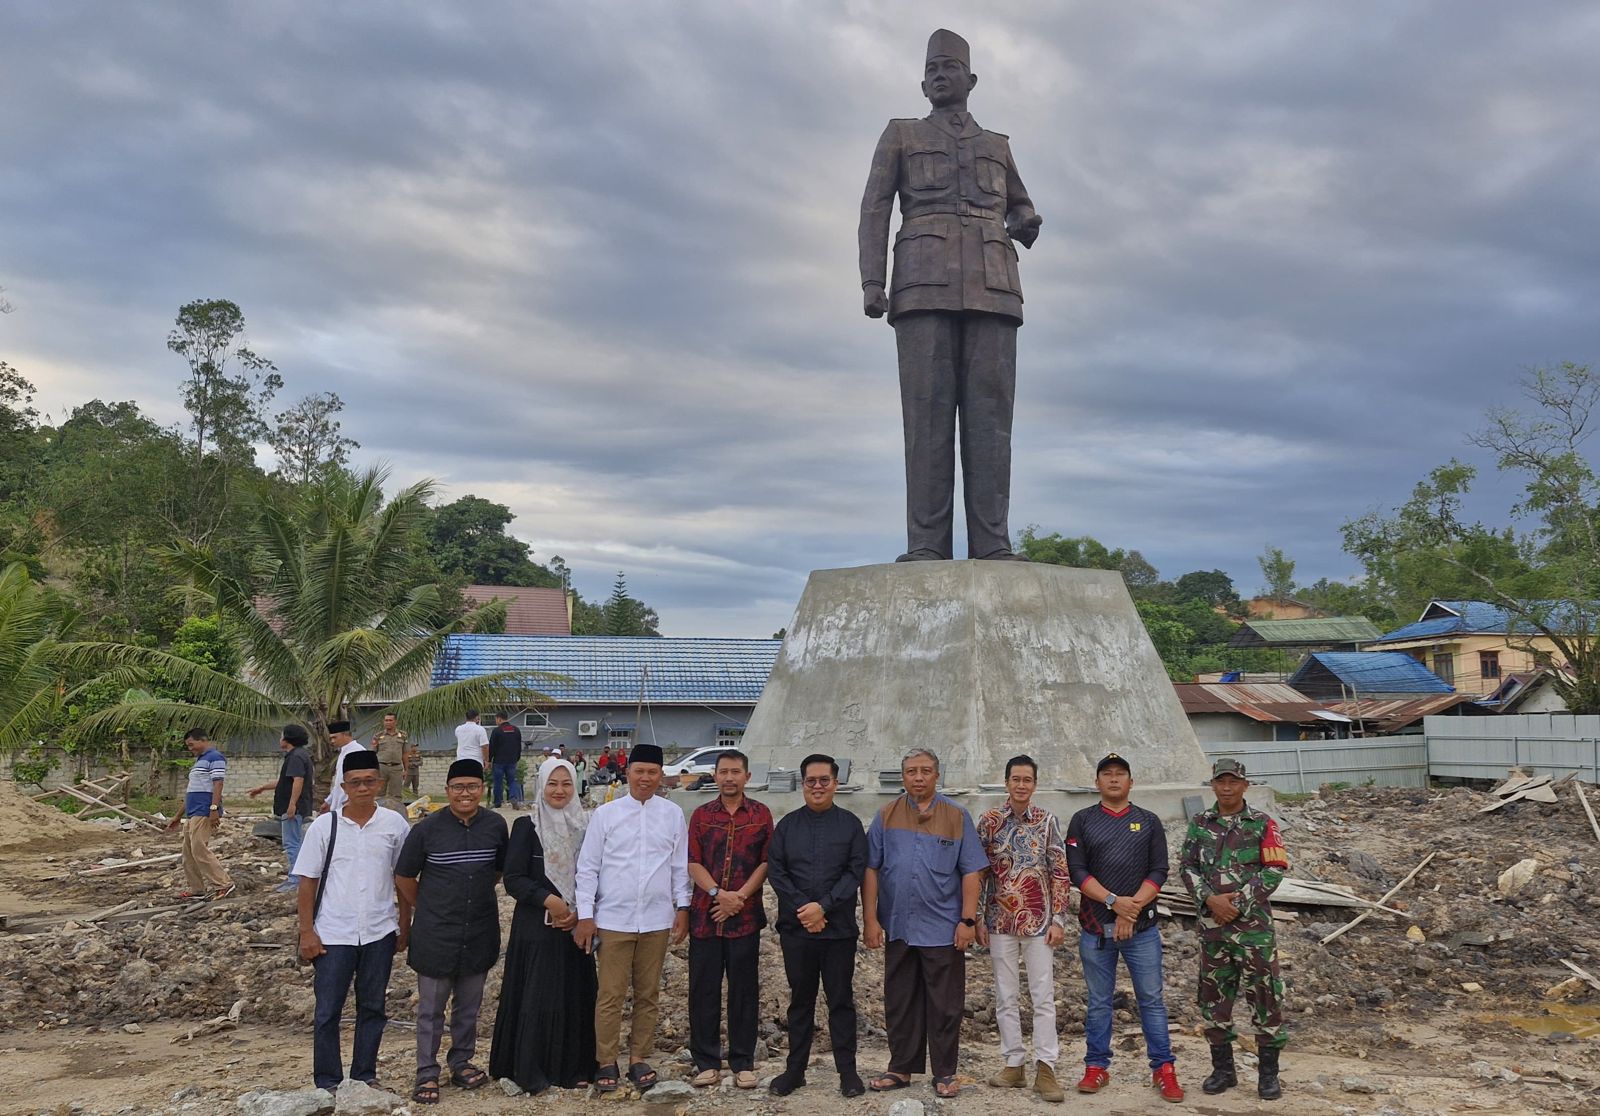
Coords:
pixel 470 541
pixel 33 674
pixel 625 616
pixel 1278 570
pixel 326 626
pixel 308 438
pixel 1211 586
pixel 1547 580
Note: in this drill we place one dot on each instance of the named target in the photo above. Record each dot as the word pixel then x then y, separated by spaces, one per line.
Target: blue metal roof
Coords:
pixel 1391 672
pixel 1443 618
pixel 606 670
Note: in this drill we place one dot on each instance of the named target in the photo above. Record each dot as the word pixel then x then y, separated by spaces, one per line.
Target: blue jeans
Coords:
pixel 369 964
pixel 293 831
pixel 1142 952
pixel 505 778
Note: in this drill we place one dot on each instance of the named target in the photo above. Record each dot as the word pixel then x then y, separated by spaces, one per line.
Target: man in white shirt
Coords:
pixel 633 899
pixel 472 740
pixel 352 922
pixel 347 745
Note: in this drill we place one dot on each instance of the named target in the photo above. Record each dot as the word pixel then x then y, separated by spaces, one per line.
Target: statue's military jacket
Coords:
pixel 956 183
pixel 1242 853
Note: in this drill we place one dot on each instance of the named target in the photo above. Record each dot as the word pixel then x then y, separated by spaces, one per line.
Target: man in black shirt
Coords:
pixel 293 798
pixel 1117 853
pixel 505 753
pixel 447 871
pixel 815 863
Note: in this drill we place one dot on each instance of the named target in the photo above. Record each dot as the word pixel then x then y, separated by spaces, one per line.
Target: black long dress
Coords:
pixel 544 1028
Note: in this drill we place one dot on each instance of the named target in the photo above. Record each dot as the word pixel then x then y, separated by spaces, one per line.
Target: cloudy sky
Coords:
pixel 597 261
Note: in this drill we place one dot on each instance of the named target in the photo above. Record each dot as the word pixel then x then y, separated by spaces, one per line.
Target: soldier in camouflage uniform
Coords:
pixel 1233 860
pixel 391 743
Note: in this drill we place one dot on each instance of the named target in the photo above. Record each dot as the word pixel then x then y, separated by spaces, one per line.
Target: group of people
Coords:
pixel 602 895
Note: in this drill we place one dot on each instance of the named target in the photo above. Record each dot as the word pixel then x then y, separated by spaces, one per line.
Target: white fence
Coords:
pixel 1449 747
pixel 1556 744
pixel 1300 767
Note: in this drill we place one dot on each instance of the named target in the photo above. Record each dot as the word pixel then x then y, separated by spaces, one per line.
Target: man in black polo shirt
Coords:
pixel 505 753
pixel 1117 853
pixel 448 870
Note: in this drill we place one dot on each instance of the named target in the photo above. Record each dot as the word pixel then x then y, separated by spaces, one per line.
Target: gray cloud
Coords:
pixel 1289 256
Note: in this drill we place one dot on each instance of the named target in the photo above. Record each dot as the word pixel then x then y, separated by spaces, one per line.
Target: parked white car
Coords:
pixel 701 761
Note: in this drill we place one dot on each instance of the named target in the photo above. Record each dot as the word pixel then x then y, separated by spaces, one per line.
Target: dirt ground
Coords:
pixel 96 1015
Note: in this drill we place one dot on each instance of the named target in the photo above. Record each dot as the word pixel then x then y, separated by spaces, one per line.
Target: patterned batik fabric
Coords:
pixel 1028 883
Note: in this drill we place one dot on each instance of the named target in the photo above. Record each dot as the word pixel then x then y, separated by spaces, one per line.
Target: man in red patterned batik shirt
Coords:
pixel 1022 917
pixel 728 840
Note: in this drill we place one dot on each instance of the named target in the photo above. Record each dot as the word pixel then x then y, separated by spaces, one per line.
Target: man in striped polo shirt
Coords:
pixel 201 818
pixel 447 871
pixel 920 896
pixel 1118 855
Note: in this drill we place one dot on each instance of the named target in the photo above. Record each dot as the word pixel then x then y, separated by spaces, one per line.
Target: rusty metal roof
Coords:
pixel 1396 713
pixel 1269 702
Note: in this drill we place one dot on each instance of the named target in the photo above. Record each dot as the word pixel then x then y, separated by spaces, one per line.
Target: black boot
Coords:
pixel 1267 1087
pixel 1223 1074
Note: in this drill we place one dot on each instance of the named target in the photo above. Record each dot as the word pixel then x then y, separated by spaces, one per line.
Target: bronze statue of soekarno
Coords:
pixel 955 303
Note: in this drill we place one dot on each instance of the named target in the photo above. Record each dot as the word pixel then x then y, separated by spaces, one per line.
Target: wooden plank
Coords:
pixel 1583 797
pixel 1583 974
pixel 84 796
pixel 1390 894
pixel 107 869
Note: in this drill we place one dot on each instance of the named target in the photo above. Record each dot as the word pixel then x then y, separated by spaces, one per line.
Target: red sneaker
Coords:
pixel 1165 1080
pixel 1094 1079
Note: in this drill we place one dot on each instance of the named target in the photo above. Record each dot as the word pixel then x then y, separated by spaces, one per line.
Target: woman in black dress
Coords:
pixel 544 1029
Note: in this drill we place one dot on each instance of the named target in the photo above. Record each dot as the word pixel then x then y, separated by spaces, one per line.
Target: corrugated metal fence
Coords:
pixel 1301 767
pixel 1540 743
pixel 1450 747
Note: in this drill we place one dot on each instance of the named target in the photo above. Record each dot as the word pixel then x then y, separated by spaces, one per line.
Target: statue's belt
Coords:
pixel 951 209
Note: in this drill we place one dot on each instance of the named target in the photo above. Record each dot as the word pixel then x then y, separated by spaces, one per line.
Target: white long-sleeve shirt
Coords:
pixel 336 796
pixel 633 869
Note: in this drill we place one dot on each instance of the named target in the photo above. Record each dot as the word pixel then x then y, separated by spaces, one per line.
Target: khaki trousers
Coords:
pixel 628 959
pixel 201 868
pixel 394 781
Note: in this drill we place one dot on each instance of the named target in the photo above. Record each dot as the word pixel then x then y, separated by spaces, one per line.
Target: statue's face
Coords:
pixel 946 81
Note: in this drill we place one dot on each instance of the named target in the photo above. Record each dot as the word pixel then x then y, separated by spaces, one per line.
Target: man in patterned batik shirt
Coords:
pixel 1022 918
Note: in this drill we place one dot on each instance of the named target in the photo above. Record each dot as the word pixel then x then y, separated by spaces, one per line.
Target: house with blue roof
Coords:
pixel 1472 645
pixel 1374 675
pixel 618 690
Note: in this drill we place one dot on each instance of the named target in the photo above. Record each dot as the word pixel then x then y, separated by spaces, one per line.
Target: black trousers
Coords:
pixel 954 363
pixel 709 960
pixel 806 960
pixel 924 994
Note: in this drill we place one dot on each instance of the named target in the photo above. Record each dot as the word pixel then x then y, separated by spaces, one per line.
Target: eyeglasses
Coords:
pixel 464 788
pixel 819 781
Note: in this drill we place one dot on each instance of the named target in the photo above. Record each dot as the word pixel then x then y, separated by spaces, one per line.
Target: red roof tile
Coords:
pixel 529 611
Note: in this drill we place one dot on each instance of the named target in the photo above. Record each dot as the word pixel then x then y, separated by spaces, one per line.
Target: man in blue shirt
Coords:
pixel 202 817
pixel 920 895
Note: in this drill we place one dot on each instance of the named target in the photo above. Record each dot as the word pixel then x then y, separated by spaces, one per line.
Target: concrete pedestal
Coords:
pixel 977 661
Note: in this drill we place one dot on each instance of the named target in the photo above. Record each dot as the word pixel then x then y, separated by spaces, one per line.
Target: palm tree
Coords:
pixel 324 623
pixel 32 676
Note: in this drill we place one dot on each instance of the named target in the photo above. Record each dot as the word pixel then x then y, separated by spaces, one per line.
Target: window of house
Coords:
pixel 620 736
pixel 535 720
pixel 1489 664
pixel 1444 665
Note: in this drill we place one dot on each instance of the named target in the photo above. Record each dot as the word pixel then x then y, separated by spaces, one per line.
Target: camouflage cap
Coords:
pixel 947 44
pixel 1227 767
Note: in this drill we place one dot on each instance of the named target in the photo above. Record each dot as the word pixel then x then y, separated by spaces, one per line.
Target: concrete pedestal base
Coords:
pixel 977 661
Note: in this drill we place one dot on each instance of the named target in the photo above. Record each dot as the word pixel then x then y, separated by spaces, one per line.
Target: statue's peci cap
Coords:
pixel 947 44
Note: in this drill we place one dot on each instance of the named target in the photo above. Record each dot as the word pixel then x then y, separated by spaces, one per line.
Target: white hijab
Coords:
pixel 560 831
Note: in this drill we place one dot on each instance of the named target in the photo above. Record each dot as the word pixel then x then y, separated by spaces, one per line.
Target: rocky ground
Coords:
pixel 1447 1009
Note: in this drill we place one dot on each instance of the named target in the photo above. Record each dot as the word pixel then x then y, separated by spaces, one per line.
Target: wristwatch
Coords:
pixel 715 891
pixel 1111 902
pixel 969 922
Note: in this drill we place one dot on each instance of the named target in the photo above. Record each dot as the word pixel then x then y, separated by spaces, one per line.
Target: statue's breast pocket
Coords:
pixel 929 169
pixel 991 176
